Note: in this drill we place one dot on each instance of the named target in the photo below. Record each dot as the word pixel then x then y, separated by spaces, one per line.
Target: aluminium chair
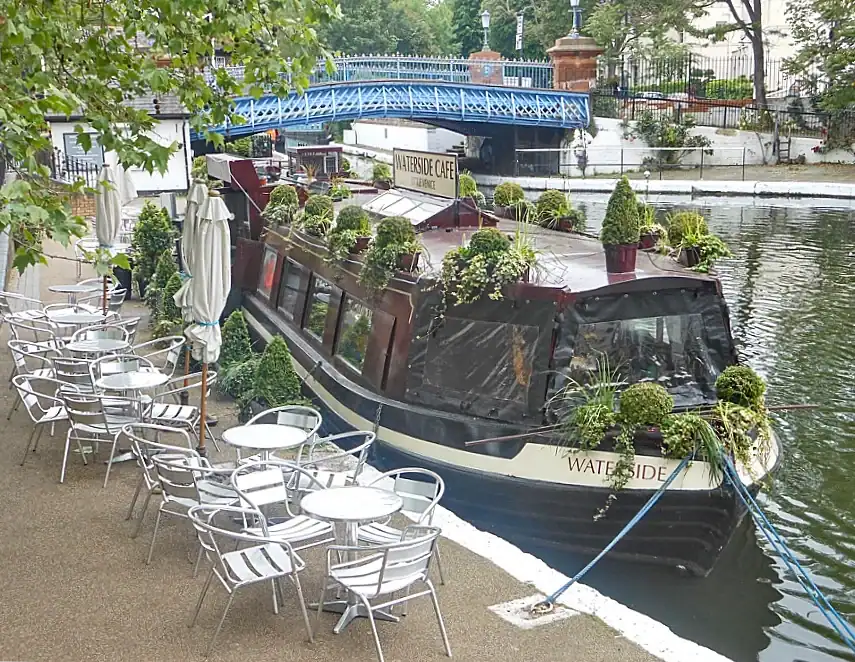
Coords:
pixel 330 468
pixel 302 417
pixel 38 394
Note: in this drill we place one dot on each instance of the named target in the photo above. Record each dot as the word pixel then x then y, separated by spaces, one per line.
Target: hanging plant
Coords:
pixel 394 243
pixel 352 228
pixel 740 385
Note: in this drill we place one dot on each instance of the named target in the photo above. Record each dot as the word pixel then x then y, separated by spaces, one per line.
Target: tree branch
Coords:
pixel 747 29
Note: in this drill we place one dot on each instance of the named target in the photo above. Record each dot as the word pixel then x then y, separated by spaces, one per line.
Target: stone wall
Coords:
pixel 83 205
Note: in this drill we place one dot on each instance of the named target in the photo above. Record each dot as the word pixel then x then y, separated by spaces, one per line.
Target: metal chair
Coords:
pixel 41 404
pixel 372 573
pixel 265 560
pixel 89 421
pixel 165 352
pixel 180 487
pixel 421 490
pixel 305 418
pixel 167 409
pixel 264 484
pixel 116 300
pixel 30 359
pixel 35 331
pixel 74 372
pixel 100 332
pixel 17 306
pixel 114 364
pixel 326 468
pixel 130 325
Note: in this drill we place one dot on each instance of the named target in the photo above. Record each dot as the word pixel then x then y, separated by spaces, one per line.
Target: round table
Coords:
pixel 265 437
pixel 133 380
pixel 97 346
pixel 76 288
pixel 75 318
pixel 351 506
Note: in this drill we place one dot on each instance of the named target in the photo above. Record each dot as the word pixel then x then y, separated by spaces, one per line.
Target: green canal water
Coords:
pixel 791 291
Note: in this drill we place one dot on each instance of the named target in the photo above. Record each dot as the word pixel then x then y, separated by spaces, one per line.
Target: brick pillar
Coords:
pixel 82 205
pixel 574 63
pixel 482 70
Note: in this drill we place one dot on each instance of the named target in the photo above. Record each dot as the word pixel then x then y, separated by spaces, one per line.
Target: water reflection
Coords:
pixel 791 291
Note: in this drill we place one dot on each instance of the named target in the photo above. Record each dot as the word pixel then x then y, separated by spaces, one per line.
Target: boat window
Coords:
pixel 670 350
pixel 293 286
pixel 353 333
pixel 319 304
pixel 268 271
pixel 486 361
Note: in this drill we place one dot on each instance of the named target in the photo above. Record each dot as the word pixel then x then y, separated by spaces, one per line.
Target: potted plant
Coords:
pixel 484 267
pixel 382 176
pixel 394 248
pixel 317 216
pixel 620 233
pixel 555 212
pixel 699 252
pixel 740 385
pixel 652 233
pixel 351 233
pixel 506 198
pixel 274 382
pixel 153 235
pixel 282 205
pixel 684 223
pixel 339 190
pixel 236 346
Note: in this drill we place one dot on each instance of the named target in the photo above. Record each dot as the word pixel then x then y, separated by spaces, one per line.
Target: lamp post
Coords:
pixel 576 11
pixel 485 24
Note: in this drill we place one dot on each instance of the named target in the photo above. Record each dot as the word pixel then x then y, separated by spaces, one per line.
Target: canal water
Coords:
pixel 791 291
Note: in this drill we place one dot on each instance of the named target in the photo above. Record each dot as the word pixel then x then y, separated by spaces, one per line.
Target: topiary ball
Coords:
pixel 645 403
pixel 319 205
pixel 489 240
pixel 276 382
pixel 740 385
pixel 353 217
pixel 395 231
pixel 283 195
pixel 685 222
pixel 467 186
pixel 621 223
pixel 552 203
pixel 508 194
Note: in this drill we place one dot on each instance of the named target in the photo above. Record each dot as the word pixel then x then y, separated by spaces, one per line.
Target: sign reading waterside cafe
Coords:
pixel 427 172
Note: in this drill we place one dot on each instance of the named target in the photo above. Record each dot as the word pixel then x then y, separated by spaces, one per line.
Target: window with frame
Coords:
pixel 268 273
pixel 354 329
pixel 319 304
pixel 292 287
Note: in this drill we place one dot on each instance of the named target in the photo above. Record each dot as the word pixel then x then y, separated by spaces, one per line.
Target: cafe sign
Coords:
pixel 426 172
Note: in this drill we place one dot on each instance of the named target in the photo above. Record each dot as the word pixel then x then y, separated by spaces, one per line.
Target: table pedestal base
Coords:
pixel 350 611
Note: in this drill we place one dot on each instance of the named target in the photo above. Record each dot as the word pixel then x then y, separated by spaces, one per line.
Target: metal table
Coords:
pixel 75 318
pixel 97 346
pixel 351 507
pixel 265 438
pixel 76 288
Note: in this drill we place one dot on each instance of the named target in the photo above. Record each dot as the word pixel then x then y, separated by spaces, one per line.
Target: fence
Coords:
pixel 639 162
pixel 68 169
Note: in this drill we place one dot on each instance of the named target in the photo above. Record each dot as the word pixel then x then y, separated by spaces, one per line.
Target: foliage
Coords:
pixel 317 226
pixel 621 225
pixel 484 267
pixel 339 191
pixel 153 235
pixel 319 205
pixel 166 268
pixel 353 217
pixel 710 248
pixel 283 194
pixel 552 203
pixel 508 194
pixel 169 312
pixel 682 223
pixel 672 131
pixel 240 147
pixel 691 435
pixel 238 379
pixel 340 244
pixel 282 205
pixel 346 168
pixel 236 347
pixel 466 26
pixel 646 216
pixel 355 340
pixel 645 403
pixel 381 172
pixel 395 238
pixel 85 60
pixel 740 385
pixel 467 185
pixel 200 168
pixel 318 318
pixel 588 409
pixel 276 382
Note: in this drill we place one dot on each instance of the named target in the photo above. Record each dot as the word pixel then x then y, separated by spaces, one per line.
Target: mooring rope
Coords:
pixel 546 606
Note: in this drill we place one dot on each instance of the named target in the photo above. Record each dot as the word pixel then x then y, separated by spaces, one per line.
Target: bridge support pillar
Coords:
pixel 574 62
pixel 482 70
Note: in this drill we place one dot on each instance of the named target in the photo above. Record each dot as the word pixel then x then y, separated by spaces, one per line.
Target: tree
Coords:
pixel 466 25
pixel 439 19
pixel 824 32
pixel 92 57
pixel 364 28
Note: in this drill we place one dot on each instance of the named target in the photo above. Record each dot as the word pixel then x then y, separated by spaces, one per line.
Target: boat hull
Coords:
pixel 687 528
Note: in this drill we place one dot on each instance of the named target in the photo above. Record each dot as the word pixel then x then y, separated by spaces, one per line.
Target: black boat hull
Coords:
pixel 686 529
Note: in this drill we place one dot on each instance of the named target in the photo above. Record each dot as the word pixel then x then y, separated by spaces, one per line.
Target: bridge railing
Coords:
pixel 515 73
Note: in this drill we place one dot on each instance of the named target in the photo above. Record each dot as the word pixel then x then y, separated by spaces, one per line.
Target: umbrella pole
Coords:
pixel 185 397
pixel 203 424
pixel 104 298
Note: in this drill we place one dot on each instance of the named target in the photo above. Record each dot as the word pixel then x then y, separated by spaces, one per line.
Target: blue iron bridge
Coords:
pixel 460 106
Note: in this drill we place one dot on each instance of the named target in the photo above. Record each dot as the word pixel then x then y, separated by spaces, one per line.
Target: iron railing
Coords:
pixel 638 162
pixel 68 169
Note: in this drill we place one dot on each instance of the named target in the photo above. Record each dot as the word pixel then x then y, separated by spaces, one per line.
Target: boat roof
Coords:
pixel 570 261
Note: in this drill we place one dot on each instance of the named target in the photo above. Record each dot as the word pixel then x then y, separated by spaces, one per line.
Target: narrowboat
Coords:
pixel 491 371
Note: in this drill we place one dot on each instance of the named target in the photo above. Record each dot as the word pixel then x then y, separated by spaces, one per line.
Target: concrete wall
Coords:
pixel 388 136
pixel 176 177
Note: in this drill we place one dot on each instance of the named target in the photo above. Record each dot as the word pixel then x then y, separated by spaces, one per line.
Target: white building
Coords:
pixel 171 126
pixel 387 134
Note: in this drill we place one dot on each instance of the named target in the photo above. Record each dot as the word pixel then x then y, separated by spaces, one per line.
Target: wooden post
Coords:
pixel 203 425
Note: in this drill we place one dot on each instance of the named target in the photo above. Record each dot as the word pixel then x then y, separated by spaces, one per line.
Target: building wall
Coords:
pixel 176 177
pixel 376 135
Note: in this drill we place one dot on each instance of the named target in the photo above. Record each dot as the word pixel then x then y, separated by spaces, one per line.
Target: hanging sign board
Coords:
pixel 427 172
pixel 95 155
pixel 518 45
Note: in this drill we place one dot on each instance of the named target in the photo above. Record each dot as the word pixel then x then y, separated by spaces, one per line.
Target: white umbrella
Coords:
pixel 195 197
pixel 124 182
pixel 212 281
pixel 108 214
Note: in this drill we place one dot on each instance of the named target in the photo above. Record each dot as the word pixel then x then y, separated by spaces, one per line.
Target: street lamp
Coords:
pixel 576 11
pixel 485 23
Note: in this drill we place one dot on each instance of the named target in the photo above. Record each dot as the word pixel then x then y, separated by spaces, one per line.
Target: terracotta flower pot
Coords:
pixel 690 256
pixel 565 225
pixel 648 241
pixel 383 186
pixel 409 262
pixel 361 245
pixel 620 258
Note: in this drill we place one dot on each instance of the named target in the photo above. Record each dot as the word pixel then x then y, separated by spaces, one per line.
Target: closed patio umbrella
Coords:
pixel 212 281
pixel 195 197
pixel 108 214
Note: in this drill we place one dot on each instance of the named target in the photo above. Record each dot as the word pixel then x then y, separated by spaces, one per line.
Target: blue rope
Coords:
pixel 217 323
pixel 626 529
pixel 840 625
